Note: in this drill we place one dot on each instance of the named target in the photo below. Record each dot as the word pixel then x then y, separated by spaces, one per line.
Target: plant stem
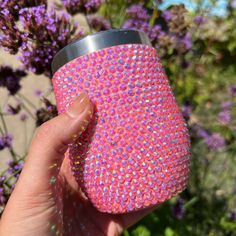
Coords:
pixel 27 100
pixel 13 154
pixel 28 111
pixel 1 131
pixel 107 13
pixel 6 131
pixel 25 136
pixel 20 159
pixel 3 121
pixel 90 29
pixel 11 176
pixel 153 17
pixel 191 202
pixel 8 185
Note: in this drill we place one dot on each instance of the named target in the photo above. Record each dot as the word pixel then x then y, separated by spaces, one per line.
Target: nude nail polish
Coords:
pixel 79 105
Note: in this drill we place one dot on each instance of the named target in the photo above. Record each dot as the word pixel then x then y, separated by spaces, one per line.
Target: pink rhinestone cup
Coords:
pixel 135 152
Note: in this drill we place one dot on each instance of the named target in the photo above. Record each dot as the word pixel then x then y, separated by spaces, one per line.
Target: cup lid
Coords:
pixel 96 41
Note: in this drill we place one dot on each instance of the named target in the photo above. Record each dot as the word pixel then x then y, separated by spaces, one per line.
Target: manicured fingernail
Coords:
pixel 79 105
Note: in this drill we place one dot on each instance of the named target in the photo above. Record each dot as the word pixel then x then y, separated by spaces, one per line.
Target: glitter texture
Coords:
pixel 135 152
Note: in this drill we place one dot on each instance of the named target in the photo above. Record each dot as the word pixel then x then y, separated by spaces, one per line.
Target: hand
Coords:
pixel 47 200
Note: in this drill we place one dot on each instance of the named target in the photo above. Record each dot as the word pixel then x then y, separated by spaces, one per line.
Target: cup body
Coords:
pixel 135 152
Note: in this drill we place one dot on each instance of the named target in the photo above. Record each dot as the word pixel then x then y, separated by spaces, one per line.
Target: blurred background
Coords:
pixel 196 41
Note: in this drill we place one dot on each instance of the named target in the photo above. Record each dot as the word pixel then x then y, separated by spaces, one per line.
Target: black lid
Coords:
pixel 94 42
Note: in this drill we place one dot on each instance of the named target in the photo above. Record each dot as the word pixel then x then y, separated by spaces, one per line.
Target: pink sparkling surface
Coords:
pixel 135 152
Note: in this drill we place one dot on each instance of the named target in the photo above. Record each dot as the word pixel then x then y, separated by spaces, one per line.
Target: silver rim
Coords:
pixel 94 42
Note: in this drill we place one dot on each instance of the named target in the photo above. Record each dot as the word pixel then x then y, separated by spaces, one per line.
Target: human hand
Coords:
pixel 47 200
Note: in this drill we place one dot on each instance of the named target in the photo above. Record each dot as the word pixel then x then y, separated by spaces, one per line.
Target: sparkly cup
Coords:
pixel 135 152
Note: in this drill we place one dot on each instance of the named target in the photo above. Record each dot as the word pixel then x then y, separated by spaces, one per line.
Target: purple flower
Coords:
pixel 233 90
pixel 13 6
pixel 6 141
pixel 10 38
pixel 138 25
pixel 48 31
pixel 85 6
pixel 167 15
pixel 98 22
pixel 44 114
pixel 2 197
pixel 24 117
pixel 233 4
pixel 199 20
pixel 187 110
pixel 187 42
pixel 155 33
pixel 14 166
pixel 10 79
pixel 224 117
pixel 13 110
pixel 93 5
pixel 200 132
pixel 2 178
pixel 226 105
pixel 38 93
pixel 178 209
pixel 215 141
pixel 5 12
pixel 138 12
pixel 14 185
pixel 232 215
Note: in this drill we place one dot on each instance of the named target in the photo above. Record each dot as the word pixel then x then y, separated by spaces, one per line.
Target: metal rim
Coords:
pixel 96 41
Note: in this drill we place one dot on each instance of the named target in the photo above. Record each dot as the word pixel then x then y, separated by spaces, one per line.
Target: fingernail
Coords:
pixel 79 105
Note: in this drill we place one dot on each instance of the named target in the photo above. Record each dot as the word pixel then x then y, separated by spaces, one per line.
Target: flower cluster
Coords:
pixel 44 32
pixel 48 32
pixel 5 141
pixel 14 167
pixel 232 215
pixel 214 141
pixel 178 209
pixel 11 37
pixel 14 6
pixel 178 28
pixel 224 116
pixel 187 110
pixel 177 20
pixel 138 19
pixel 3 197
pixel 10 79
pixel 86 6
pixel 175 36
pixel 45 113
pixel 13 110
pixel 199 20
pixel 8 181
pixel 233 90
pixel 98 23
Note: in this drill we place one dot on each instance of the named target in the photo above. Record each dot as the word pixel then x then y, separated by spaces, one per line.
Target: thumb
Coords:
pixel 51 142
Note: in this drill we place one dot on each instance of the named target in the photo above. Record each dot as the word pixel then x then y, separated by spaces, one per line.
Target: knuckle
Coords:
pixel 45 130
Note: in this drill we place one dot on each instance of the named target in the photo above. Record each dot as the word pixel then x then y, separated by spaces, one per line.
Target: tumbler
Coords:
pixel 135 152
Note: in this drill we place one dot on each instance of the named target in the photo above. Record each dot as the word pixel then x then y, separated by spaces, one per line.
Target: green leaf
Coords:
pixel 170 232
pixel 229 226
pixel 125 233
pixel 141 231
